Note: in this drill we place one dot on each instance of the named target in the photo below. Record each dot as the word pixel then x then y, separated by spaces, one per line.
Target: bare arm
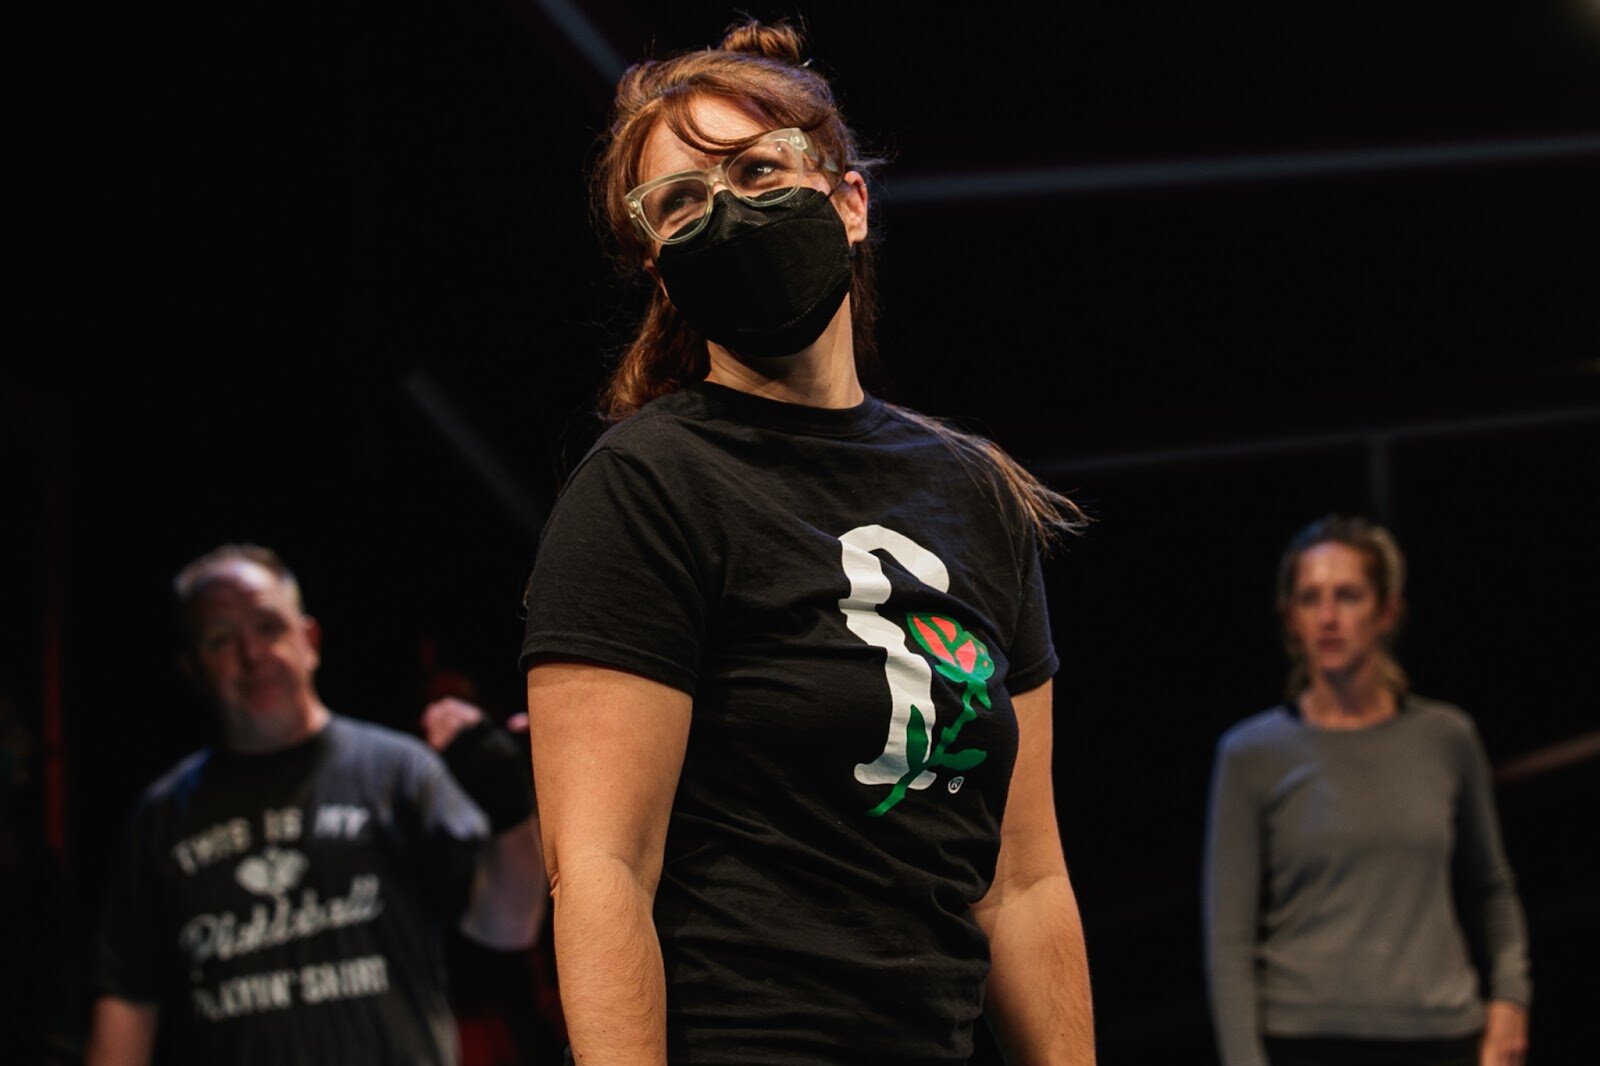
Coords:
pixel 608 748
pixel 1038 999
pixel 121 1033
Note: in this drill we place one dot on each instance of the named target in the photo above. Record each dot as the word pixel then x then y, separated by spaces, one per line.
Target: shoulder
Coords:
pixel 1263 731
pixel 1441 717
pixel 665 419
pixel 1256 751
pixel 649 447
pixel 903 426
pixel 375 744
pixel 177 780
pixel 1444 726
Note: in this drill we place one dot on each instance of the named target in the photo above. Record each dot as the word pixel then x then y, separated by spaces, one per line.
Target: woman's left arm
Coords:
pixel 1038 1000
pixel 1494 908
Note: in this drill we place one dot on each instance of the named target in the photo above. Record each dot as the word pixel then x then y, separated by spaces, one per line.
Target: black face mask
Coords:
pixel 761 281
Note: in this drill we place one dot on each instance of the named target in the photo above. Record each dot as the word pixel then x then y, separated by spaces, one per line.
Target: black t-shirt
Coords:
pixel 290 907
pixel 851 606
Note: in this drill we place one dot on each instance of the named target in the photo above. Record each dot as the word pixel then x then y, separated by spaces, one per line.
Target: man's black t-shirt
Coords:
pixel 290 907
pixel 851 606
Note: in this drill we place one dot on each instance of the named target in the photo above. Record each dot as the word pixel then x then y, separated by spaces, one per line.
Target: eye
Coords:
pixel 214 641
pixel 765 167
pixel 675 205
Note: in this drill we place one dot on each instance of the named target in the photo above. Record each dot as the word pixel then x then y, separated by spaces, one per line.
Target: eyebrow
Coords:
pixel 701 151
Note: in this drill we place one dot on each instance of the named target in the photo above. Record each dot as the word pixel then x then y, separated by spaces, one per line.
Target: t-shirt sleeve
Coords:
pixel 1032 653
pixel 126 957
pixel 615 581
pixel 451 832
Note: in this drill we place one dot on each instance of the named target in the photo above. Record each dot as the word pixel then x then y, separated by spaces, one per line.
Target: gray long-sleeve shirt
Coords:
pixel 1328 872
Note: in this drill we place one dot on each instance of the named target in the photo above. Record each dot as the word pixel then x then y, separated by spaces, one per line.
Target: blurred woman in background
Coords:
pixel 1344 825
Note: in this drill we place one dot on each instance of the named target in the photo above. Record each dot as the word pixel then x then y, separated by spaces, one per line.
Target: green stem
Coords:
pixel 947 735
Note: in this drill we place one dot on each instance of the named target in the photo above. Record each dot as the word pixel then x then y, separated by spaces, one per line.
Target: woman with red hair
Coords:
pixel 788 652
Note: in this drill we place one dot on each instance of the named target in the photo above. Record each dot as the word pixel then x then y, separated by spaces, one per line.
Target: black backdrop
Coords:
pixel 321 276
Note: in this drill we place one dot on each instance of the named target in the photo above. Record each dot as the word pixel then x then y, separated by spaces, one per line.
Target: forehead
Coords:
pixel 1332 562
pixel 240 585
pixel 664 152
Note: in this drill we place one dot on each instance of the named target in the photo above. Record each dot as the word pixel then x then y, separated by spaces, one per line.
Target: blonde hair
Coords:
pixel 760 66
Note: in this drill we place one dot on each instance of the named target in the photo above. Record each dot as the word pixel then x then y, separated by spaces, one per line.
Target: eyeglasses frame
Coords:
pixel 713 176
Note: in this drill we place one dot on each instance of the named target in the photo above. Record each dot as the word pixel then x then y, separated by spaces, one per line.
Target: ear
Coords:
pixel 1389 619
pixel 850 199
pixel 313 631
pixel 650 268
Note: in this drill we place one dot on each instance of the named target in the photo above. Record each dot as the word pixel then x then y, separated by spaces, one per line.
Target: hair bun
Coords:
pixel 777 40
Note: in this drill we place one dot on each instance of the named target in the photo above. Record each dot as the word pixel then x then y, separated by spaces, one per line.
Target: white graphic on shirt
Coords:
pixel 322 982
pixel 288 912
pixel 212 845
pixel 340 821
pixel 281 825
pixel 224 936
pixel 275 873
pixel 910 678
pixel 272 873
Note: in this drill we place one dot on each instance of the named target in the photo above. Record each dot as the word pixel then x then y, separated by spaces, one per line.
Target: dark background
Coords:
pixel 321 276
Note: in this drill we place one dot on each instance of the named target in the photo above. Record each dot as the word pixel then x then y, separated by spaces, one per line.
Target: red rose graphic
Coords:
pixel 961 657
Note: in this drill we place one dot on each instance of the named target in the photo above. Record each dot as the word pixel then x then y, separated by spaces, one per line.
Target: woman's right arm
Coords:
pixel 1231 896
pixel 608 748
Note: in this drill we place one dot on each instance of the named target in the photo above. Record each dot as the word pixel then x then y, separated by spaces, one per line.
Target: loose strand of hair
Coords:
pixel 1048 514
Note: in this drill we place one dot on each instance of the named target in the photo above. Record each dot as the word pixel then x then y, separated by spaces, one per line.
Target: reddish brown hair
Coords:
pixel 756 66
pixel 759 66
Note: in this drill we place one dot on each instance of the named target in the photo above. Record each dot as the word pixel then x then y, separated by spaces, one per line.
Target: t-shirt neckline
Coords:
pixel 1297 716
pixel 791 417
pixel 271 760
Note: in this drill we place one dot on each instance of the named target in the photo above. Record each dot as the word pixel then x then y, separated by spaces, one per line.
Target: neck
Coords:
pixel 254 738
pixel 821 375
pixel 1351 700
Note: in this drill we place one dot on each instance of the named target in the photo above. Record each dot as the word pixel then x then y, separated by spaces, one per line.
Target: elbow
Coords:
pixel 583 874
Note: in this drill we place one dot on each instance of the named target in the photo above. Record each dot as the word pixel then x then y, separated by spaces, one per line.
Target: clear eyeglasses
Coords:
pixel 674 207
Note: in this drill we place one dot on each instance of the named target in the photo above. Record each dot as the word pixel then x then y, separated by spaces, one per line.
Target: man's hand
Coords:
pixel 491 764
pixel 444 720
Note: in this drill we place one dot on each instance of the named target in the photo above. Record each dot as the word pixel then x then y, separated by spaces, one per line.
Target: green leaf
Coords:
pixel 963 760
pixel 916 741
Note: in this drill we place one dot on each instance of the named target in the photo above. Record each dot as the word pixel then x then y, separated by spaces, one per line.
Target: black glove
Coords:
pixel 493 766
